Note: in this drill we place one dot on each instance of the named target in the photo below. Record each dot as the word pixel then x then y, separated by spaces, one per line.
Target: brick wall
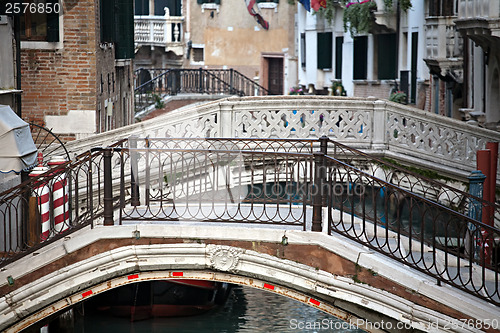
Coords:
pixel 55 81
pixel 376 89
pixel 79 76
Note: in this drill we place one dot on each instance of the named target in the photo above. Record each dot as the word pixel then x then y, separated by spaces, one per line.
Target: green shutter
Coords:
pixel 324 50
pixel 200 2
pixel 52 24
pixel 124 29
pixel 141 7
pixel 107 20
pixel 360 57
pixel 387 56
pixel 339 43
pixel 217 2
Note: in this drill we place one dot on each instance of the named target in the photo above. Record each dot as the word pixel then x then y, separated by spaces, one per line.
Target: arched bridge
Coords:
pixel 312 219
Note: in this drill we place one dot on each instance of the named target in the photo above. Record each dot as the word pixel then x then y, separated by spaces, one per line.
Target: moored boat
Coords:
pixel 163 298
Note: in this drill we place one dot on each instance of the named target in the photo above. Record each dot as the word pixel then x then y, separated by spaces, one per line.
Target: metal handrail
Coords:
pixel 262 181
pixel 229 82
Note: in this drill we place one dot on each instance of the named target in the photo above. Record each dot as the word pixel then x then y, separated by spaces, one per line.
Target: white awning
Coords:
pixel 17 150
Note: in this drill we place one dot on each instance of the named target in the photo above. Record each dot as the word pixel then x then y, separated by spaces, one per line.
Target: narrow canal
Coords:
pixel 246 310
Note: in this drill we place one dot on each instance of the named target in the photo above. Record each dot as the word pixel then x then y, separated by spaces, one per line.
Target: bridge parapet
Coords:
pixel 219 180
pixel 329 272
pixel 375 126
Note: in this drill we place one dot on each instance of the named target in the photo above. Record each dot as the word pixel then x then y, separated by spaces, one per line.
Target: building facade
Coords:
pixel 76 68
pixel 442 53
pixel 219 34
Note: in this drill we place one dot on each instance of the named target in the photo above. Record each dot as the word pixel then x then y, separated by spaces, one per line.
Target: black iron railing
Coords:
pixel 299 184
pixel 168 82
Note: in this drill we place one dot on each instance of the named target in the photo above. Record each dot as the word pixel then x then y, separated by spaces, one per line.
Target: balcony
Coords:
pixel 444 61
pixel 163 31
pixel 480 21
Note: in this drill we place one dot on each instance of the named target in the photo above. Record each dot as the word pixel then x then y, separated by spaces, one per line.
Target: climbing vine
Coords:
pixel 358 17
pixel 403 4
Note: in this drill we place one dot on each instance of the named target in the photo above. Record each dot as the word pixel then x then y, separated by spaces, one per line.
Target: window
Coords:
pixel 198 54
pixel 174 7
pixel 303 50
pixel 40 25
pixel 141 7
pixel 442 8
pixel 217 2
pixel 117 26
pixel 387 56
pixel 324 50
pixel 339 43
pixel 360 57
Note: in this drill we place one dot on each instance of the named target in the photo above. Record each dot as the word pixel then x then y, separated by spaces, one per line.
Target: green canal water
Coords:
pixel 247 310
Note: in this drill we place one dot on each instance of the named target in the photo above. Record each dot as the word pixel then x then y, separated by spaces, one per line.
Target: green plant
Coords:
pixel 358 17
pixel 403 4
pixel 159 103
pixel 338 89
pixel 398 97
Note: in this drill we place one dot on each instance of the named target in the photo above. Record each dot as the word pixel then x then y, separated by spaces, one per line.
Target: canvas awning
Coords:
pixel 17 150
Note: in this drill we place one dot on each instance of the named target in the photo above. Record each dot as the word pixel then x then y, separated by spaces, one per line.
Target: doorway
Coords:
pixel 273 73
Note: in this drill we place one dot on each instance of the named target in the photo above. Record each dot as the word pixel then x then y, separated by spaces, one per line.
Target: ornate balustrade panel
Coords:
pixel 386 128
pixel 163 31
pixel 441 31
pixel 433 138
pixel 345 122
pixel 473 9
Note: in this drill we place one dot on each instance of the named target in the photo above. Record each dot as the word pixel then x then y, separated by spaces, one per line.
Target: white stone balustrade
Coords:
pixel 374 126
pixel 474 9
pixel 165 31
pixel 441 31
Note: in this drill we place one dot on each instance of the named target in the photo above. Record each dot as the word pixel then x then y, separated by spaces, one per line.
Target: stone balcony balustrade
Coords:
pixel 163 31
pixel 480 20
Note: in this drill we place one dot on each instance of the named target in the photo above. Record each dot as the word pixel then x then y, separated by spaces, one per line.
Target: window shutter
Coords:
pixel 360 57
pixel 217 2
pixel 339 43
pixel 124 29
pixel 53 24
pixel 303 50
pixel 107 20
pixel 324 50
pixel 387 57
pixel 200 2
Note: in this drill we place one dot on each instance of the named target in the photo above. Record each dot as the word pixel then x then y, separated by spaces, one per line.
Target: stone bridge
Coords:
pixel 333 226
pixel 331 273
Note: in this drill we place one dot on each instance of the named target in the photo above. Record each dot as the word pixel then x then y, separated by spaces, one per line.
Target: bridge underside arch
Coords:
pixel 105 258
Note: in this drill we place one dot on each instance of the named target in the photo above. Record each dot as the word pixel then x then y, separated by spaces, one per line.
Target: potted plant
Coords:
pixel 398 97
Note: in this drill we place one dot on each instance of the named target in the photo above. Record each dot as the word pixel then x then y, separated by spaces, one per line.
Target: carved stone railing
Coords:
pixel 439 32
pixel 165 31
pixel 473 9
pixel 374 126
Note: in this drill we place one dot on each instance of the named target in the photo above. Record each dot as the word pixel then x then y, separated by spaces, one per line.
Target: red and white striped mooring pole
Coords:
pixel 60 197
pixel 42 193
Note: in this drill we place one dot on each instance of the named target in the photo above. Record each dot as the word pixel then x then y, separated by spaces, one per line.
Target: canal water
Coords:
pixel 247 310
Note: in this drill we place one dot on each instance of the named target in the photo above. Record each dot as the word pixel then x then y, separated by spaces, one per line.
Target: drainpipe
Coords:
pixel 17 38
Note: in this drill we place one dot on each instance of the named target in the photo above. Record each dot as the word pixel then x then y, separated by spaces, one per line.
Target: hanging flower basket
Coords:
pixel 358 16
